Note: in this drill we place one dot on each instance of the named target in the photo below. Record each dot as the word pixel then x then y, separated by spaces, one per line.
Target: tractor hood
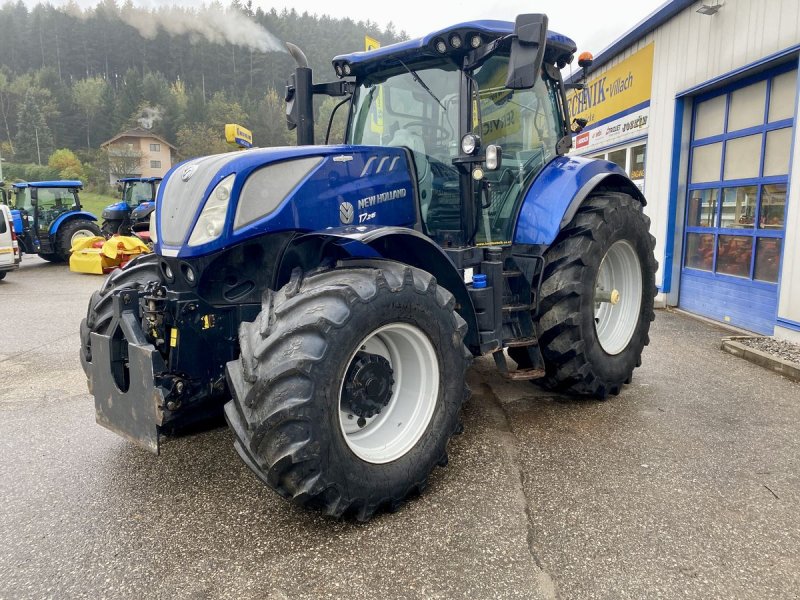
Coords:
pixel 209 203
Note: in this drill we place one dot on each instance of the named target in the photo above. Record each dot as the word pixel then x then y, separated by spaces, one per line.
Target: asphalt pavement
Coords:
pixel 684 486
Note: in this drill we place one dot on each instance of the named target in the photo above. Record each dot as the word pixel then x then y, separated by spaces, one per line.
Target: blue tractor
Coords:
pixel 132 212
pixel 332 297
pixel 48 218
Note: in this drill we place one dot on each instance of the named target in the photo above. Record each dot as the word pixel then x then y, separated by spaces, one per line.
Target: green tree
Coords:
pixel 88 95
pixel 201 140
pixel 221 111
pixel 67 164
pixel 6 105
pixel 34 137
pixel 269 122
pixel 323 119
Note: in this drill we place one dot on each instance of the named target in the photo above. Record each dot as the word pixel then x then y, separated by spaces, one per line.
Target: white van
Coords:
pixel 9 249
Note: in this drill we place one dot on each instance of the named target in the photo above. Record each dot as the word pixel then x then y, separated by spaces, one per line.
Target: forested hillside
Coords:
pixel 73 78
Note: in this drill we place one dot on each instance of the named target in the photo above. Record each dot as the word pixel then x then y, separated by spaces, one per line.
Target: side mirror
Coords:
pixel 289 97
pixel 527 51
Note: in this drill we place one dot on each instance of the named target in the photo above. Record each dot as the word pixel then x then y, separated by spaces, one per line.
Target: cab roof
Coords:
pixel 65 183
pixel 559 47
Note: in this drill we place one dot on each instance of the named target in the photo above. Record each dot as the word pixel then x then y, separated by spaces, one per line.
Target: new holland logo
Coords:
pixel 346 213
pixel 187 173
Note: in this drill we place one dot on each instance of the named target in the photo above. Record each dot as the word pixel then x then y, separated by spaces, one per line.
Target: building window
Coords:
pixel 155 147
pixel 739 172
pixel 631 159
pixel 155 164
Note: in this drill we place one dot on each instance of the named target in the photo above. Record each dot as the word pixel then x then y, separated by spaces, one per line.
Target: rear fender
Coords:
pixel 62 219
pixel 398 244
pixel 560 189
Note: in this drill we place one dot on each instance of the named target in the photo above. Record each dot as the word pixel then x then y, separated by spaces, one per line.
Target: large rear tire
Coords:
pixel 597 294
pixel 135 275
pixel 349 387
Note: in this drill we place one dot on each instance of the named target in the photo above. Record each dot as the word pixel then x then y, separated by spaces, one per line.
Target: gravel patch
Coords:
pixel 778 348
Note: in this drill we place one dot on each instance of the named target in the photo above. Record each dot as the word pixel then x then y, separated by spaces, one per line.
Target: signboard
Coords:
pixel 623 87
pixel 613 132
pixel 236 134
pixel 376 117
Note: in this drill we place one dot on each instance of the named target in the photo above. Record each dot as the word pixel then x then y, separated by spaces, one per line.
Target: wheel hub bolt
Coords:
pixel 603 296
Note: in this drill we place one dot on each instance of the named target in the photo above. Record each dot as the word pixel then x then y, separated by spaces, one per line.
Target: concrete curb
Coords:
pixel 762 359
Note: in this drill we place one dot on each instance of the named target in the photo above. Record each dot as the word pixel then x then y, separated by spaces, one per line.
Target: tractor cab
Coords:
pixel 48 217
pixel 482 108
pixel 477 142
pixel 132 212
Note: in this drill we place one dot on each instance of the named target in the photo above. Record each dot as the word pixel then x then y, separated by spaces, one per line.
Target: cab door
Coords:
pixel 527 125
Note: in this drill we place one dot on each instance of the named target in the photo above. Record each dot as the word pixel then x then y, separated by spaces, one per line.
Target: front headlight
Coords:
pixel 211 222
pixel 153 235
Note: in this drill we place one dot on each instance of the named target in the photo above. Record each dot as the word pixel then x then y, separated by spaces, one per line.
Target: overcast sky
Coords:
pixel 593 24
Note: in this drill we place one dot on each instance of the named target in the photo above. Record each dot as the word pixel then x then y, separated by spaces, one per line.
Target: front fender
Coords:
pixel 61 219
pixel 399 244
pixel 558 191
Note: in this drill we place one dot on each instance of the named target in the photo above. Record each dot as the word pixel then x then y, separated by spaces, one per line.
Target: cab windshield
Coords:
pixel 399 111
pixel 420 111
pixel 137 192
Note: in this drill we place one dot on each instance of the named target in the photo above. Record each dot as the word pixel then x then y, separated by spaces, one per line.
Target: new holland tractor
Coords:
pixel 132 212
pixel 49 219
pixel 331 297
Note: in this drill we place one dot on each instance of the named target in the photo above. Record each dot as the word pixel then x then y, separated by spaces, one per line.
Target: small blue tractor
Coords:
pixel 331 297
pixel 48 218
pixel 132 212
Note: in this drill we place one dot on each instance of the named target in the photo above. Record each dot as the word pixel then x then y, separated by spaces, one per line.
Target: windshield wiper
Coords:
pixel 422 83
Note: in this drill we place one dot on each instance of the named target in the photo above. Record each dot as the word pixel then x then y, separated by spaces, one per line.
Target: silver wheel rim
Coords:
pixel 398 427
pixel 618 297
pixel 81 233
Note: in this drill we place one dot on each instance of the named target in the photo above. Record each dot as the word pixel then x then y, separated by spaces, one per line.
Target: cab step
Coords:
pixel 517 374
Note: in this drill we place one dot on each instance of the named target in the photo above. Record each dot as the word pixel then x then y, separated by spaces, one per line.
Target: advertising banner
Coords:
pixel 611 133
pixel 615 102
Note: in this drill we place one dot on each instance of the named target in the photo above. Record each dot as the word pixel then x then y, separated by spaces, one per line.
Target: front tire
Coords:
pixel 349 386
pixel 135 275
pixel 597 294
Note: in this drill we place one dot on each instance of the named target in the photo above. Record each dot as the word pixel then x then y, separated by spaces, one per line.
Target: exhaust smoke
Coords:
pixel 210 23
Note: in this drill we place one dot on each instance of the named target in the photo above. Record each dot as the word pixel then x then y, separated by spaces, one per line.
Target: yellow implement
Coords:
pixel 98 256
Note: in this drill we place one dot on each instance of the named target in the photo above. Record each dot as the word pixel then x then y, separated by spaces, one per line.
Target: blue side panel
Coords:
pixel 144 209
pixel 548 198
pixel 82 214
pixel 749 306
pixel 16 217
pixel 370 185
pixel 315 204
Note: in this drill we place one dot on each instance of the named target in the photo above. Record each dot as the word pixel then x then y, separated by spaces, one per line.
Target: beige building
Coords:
pixel 138 153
